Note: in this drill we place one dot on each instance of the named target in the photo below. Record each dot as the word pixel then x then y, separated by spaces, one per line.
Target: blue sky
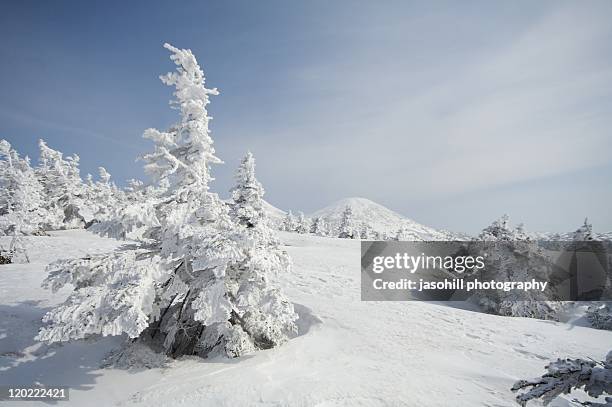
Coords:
pixel 450 113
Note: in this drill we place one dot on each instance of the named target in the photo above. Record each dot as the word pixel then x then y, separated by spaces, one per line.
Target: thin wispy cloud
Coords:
pixel 427 108
pixel 536 107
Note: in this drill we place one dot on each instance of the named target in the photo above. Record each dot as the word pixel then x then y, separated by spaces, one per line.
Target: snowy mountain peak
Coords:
pixel 378 217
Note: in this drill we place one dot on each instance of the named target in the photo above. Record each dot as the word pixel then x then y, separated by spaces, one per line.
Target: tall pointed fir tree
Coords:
pixel 348 229
pixel 259 306
pixel 194 285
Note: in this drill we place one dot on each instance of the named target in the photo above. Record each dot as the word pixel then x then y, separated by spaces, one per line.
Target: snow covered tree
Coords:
pixel 247 208
pixel 584 232
pixel 406 235
pixel 102 198
pixel 263 311
pixel 302 224
pixel 366 232
pixel 319 227
pixel 348 229
pixel 600 315
pixel 501 230
pixel 289 222
pixel 21 195
pixel 565 375
pixel 512 256
pixel 197 283
pixel 63 188
pixel 135 212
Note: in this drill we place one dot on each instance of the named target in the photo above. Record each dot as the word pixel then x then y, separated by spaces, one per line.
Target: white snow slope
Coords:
pixel 378 217
pixel 275 215
pixel 348 352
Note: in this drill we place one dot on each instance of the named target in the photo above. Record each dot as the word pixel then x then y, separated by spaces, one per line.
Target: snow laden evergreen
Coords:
pixel 565 375
pixel 302 224
pixel 104 198
pixel 501 230
pixel 289 222
pixel 264 313
pixel 404 234
pixel 198 281
pixel 514 257
pixel 22 197
pixel 366 232
pixel 319 227
pixel 348 229
pixel 584 232
pixel 64 191
pixel 600 315
pixel 134 213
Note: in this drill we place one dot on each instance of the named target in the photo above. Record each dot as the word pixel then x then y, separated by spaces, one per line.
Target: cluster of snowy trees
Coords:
pixel 348 228
pixel 198 279
pixel 52 195
pixel 514 257
pixel 519 257
pixel 49 196
pixel 300 224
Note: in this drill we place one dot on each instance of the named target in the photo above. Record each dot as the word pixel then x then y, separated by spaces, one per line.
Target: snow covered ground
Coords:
pixel 348 352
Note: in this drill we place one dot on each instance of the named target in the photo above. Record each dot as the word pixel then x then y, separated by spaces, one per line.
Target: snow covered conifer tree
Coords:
pixel 366 232
pixel 104 197
pixel 319 227
pixel 499 230
pixel 265 314
pixel 302 224
pixel 247 208
pixel 196 283
pixel 403 234
pixel 584 232
pixel 600 315
pixel 515 257
pixel 289 222
pixel 63 188
pixel 348 229
pixel 21 194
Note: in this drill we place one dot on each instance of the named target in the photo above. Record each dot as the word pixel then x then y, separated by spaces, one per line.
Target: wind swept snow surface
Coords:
pixel 347 352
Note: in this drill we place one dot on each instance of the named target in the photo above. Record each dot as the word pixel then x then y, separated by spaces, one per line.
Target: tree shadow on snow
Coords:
pixel 27 362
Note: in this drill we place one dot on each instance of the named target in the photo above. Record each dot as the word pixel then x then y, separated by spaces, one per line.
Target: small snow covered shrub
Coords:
pixel 600 315
pixel 565 375
pixel 198 280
